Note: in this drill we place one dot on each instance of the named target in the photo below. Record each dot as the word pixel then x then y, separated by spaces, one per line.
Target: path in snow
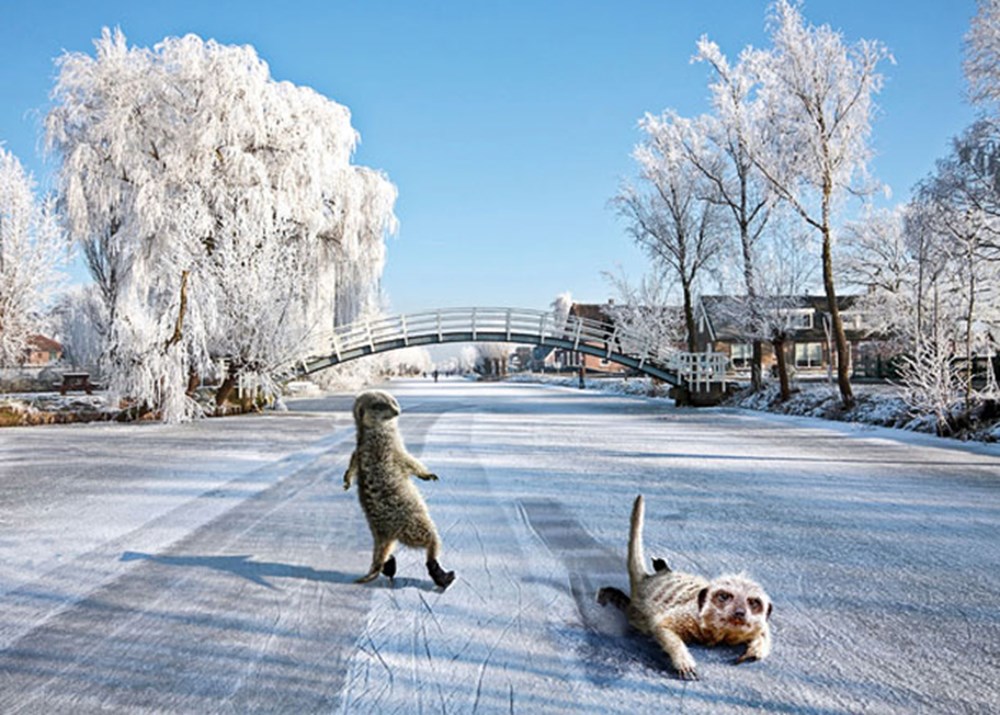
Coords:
pixel 209 567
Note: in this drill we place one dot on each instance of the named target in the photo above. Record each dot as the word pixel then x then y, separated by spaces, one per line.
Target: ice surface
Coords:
pixel 208 567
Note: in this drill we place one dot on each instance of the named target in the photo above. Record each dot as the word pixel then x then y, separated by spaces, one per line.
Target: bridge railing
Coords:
pixel 515 325
pixel 700 370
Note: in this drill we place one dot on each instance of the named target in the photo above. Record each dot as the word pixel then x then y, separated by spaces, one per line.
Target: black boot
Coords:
pixel 660 565
pixel 441 577
pixel 389 567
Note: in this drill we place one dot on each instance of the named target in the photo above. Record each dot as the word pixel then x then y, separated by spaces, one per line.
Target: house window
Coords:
pixel 808 354
pixel 798 318
pixel 741 355
pixel 852 319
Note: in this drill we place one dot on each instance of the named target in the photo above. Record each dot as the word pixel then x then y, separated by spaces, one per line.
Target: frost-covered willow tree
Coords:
pixel 30 253
pixel 816 95
pixel 218 209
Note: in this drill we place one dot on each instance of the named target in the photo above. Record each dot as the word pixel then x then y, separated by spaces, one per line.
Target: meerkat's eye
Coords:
pixel 755 605
pixel 723 596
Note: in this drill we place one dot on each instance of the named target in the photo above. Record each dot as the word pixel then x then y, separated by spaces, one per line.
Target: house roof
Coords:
pixel 718 313
pixel 44 344
pixel 591 311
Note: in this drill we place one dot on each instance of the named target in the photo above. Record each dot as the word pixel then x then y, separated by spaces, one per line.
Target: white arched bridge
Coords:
pixel 698 372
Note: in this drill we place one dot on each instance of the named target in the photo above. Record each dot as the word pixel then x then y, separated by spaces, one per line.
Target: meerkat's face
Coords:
pixel 734 604
pixel 374 407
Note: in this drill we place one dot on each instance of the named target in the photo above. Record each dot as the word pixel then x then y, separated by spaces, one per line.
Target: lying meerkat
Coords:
pixel 393 506
pixel 677 608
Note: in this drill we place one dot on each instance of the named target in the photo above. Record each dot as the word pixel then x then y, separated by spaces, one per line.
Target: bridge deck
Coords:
pixel 699 372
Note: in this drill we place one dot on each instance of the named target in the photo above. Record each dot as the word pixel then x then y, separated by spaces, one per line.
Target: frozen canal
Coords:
pixel 208 568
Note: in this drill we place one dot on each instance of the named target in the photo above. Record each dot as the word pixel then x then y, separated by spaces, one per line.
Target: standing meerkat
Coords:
pixel 393 507
pixel 677 608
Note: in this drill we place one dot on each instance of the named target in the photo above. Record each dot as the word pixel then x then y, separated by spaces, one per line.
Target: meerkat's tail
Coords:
pixel 636 558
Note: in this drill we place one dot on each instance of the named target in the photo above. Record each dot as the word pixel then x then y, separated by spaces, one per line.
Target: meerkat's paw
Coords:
pixel 684 665
pixel 756 650
pixel 441 577
pixel 688 673
pixel 367 577
pixel 389 567
pixel 430 477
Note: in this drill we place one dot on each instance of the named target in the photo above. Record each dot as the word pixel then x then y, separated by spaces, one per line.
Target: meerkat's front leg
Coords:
pixel 759 648
pixel 680 656
pixel 416 467
pixel 352 471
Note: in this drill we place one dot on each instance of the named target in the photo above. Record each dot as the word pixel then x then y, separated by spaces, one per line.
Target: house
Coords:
pixel 42 351
pixel 592 364
pixel 810 344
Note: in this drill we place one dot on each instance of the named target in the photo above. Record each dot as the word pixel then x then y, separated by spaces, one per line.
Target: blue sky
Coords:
pixel 506 126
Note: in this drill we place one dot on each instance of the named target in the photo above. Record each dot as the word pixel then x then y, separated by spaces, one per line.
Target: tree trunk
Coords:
pixel 194 379
pixel 689 318
pixel 181 310
pixel 779 355
pixel 843 349
pixel 225 390
pixel 756 366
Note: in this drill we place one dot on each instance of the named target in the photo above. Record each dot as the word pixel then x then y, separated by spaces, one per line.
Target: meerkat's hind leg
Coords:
pixel 615 596
pixel 380 555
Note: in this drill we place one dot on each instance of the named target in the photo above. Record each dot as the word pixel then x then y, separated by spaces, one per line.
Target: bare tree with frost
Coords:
pixel 877 259
pixel 219 212
pixel 816 95
pixel 718 144
pixel 30 253
pixel 492 358
pixel 952 205
pixel 642 315
pixel 671 214
pixel 982 55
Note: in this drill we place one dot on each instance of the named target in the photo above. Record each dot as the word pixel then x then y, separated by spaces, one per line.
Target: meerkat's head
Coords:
pixel 374 407
pixel 734 605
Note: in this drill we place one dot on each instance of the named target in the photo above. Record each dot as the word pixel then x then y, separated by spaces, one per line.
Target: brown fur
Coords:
pixel 393 507
pixel 677 608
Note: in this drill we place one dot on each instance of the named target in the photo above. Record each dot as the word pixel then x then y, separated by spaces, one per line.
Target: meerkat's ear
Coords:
pixel 770 607
pixel 702 595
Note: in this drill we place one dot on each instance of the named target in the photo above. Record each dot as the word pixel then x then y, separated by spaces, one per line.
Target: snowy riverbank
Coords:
pixel 877 404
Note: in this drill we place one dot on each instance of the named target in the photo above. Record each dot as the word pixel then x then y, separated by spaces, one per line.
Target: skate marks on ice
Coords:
pixel 202 627
pixel 609 645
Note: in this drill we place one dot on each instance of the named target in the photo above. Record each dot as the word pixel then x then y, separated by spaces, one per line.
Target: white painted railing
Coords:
pixel 700 370
pixel 516 325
